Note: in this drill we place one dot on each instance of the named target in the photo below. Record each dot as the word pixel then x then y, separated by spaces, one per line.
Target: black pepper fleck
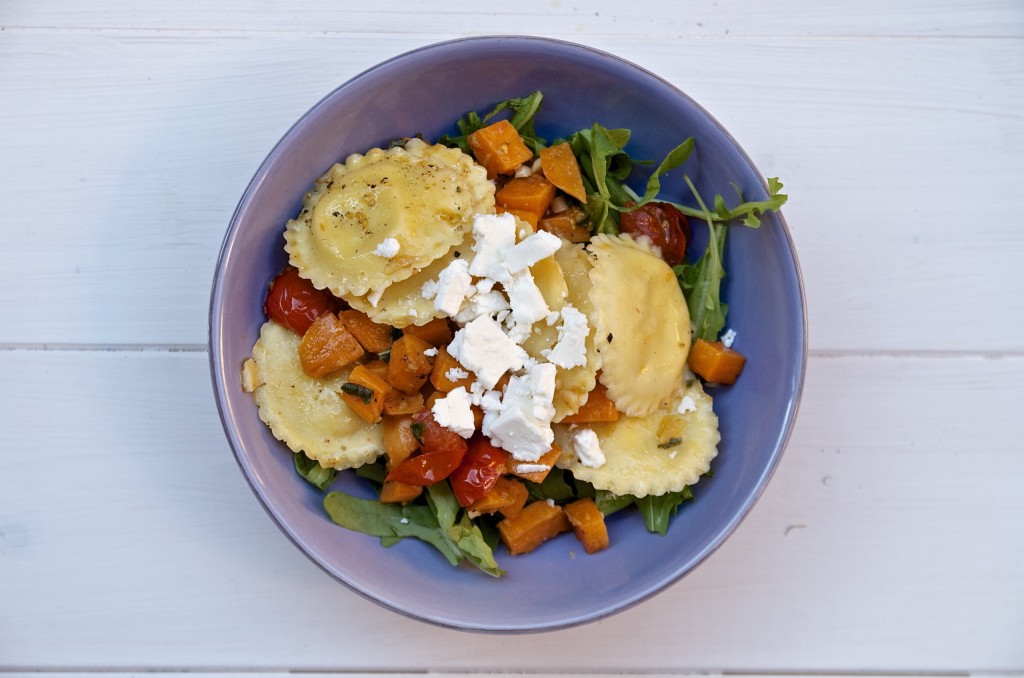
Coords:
pixel 609 337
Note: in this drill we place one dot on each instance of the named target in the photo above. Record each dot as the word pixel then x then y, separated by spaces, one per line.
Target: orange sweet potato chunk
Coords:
pixel 373 337
pixel 532 218
pixel 499 148
pixel 567 225
pixel 598 408
pixel 327 346
pixel 508 496
pixel 399 402
pixel 437 332
pixel 531 194
pixel 714 362
pixel 399 442
pixel 532 526
pixel 588 523
pixel 394 492
pixel 439 376
pixel 560 168
pixel 409 365
pixel 547 459
pixel 364 393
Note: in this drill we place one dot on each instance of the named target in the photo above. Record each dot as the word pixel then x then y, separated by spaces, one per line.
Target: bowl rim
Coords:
pixel 214 352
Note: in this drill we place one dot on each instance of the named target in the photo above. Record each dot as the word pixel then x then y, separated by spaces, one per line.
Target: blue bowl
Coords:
pixel 424 92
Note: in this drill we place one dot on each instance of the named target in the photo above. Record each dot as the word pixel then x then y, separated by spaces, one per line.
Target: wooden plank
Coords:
pixel 889 540
pixel 657 17
pixel 128 151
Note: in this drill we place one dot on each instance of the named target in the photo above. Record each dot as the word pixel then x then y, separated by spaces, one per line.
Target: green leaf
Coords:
pixel 609 502
pixel 374 471
pixel 471 542
pixel 702 282
pixel 417 429
pixel 443 503
pixel 315 474
pixel 523 111
pixel 554 487
pixel 658 510
pixel 676 157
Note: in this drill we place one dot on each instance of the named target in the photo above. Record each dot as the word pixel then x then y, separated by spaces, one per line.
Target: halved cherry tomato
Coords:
pixel 479 471
pixel 665 225
pixel 442 452
pixel 293 301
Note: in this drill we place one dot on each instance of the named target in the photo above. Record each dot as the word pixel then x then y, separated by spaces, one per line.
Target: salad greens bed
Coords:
pixel 436 518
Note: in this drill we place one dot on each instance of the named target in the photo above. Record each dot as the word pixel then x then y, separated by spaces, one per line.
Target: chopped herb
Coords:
pixel 385 355
pixel 671 442
pixel 417 429
pixel 358 390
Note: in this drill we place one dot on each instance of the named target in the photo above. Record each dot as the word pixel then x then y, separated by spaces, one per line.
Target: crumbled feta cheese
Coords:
pixel 559 204
pixel 587 447
pixel 484 286
pixel 571 349
pixel 528 305
pixel 482 303
pixel 429 289
pixel 454 412
pixel 404 521
pixel 728 338
pixel 532 468
pixel 522 425
pixel 686 405
pixel 484 349
pixel 519 333
pixel 456 374
pixel 430 352
pixel 532 249
pixel 453 284
pixel 387 248
pixel 553 318
pixel 493 234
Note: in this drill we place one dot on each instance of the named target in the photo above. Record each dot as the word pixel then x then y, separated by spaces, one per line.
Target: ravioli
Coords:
pixel 573 386
pixel 634 463
pixel 422 196
pixel 641 323
pixel 307 414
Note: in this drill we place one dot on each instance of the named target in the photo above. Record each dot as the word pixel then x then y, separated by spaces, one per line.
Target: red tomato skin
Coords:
pixel 479 471
pixel 665 225
pixel 292 301
pixel 442 452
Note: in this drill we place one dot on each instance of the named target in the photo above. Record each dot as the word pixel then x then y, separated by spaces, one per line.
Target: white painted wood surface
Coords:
pixel 890 540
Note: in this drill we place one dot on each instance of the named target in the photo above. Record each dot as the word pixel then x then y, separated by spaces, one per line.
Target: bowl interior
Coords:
pixel 425 92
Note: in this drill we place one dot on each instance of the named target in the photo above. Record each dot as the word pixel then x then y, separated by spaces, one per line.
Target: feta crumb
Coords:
pixel 587 447
pixel 430 352
pixel 528 305
pixel 387 248
pixel 552 318
pixel 484 285
pixel 728 338
pixel 493 234
pixel 404 521
pixel 454 412
pixel 686 405
pixel 484 349
pixel 429 289
pixel 522 425
pixel 532 468
pixel 571 349
pixel 453 284
pixel 482 303
pixel 532 249
pixel 551 502
pixel 456 374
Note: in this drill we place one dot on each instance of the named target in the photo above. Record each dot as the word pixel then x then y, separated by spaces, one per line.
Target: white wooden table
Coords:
pixel 891 540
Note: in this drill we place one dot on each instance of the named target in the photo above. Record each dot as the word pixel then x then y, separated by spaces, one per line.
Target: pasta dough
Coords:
pixel 307 414
pixel 634 462
pixel 641 323
pixel 424 197
pixel 573 386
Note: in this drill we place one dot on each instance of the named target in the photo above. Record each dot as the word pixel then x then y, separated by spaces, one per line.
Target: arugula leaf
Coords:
pixel 315 474
pixel 523 111
pixel 471 542
pixel 374 471
pixel 702 282
pixel 610 502
pixel 554 487
pixel 657 511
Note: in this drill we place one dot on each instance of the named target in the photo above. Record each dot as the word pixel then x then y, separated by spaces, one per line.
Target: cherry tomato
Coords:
pixel 293 301
pixel 479 471
pixel 665 225
pixel 442 452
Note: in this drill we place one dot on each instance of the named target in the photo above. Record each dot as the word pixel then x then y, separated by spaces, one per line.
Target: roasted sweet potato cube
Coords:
pixel 445 367
pixel 508 496
pixel 374 337
pixel 399 402
pixel 378 367
pixel 569 224
pixel 598 408
pixel 364 393
pixel 327 346
pixel 437 332
pixel 714 362
pixel 399 442
pixel 409 366
pixel 532 526
pixel 499 148
pixel 532 218
pixel 588 523
pixel 548 459
pixel 561 168
pixel 394 492
pixel 531 194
